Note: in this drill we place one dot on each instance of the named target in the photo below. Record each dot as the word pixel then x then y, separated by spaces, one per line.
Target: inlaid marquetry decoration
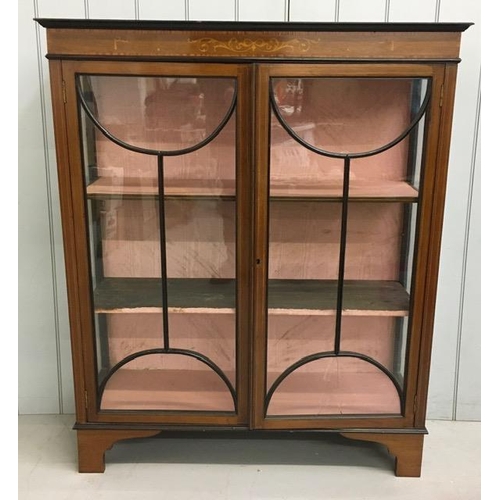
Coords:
pixel 235 45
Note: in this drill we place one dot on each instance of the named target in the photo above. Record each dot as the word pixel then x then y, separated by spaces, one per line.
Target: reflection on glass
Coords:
pixel 147 359
pixel 159 113
pixel 348 115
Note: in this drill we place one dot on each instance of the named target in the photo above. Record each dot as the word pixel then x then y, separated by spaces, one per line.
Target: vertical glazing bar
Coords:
pixel 163 250
pixel 343 242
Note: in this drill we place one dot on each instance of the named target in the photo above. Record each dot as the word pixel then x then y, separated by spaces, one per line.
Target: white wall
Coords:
pixel 45 376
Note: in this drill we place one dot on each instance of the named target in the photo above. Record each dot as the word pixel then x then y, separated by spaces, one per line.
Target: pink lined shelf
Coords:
pixel 148 186
pixel 359 190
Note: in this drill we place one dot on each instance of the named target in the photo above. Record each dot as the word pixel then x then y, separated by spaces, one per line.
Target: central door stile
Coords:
pixel 244 237
pixel 261 214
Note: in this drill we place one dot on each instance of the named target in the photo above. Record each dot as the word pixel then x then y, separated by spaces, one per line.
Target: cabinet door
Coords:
pixel 161 196
pixel 345 179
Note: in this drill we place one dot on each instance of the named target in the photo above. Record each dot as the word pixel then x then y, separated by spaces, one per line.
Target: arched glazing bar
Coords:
pixel 183 352
pixel 365 154
pixel 156 152
pixel 332 354
pixel 160 154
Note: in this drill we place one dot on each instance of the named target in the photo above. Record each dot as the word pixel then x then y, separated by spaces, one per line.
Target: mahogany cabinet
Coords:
pixel 252 218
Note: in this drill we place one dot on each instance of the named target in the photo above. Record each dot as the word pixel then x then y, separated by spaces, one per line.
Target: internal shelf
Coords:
pixel 359 190
pixel 184 295
pixel 301 297
pixel 319 297
pixel 147 187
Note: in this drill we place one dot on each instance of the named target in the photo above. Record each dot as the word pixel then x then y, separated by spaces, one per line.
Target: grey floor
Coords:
pixel 227 469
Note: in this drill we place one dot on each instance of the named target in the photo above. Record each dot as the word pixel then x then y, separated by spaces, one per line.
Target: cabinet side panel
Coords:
pixel 58 110
pixel 436 225
pixel 62 329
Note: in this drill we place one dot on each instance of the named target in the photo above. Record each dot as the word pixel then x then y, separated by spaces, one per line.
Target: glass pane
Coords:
pixel 304 243
pixel 335 386
pixel 348 115
pixel 160 113
pixel 318 364
pixel 379 255
pixel 147 359
pixel 166 382
pixel 297 172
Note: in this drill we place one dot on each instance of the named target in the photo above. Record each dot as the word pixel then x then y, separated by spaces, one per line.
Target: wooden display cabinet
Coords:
pixel 252 218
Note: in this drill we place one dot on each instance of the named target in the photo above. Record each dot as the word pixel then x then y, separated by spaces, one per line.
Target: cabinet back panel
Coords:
pixel 305 240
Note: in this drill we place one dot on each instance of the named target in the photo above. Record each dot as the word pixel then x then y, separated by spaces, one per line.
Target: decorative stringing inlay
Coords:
pixel 236 45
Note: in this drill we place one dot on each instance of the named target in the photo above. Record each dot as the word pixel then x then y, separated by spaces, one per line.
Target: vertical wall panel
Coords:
pixel 222 10
pixel 261 10
pixel 38 378
pixel 362 10
pixel 408 11
pixel 153 9
pixel 444 358
pixel 312 10
pixel 56 8
pixel 468 402
pixel 111 9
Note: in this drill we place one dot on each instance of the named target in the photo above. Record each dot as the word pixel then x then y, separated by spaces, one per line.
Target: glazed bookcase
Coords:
pixel 252 216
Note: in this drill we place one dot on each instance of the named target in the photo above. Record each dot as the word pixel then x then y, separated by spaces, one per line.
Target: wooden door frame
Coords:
pixel 74 220
pixel 431 200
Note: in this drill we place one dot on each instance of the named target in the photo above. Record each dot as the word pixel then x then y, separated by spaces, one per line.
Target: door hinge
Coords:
pixel 64 91
pixel 415 404
pixel 86 400
pixel 441 95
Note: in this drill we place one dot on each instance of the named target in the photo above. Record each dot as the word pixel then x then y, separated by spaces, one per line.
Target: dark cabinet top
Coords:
pixel 245 26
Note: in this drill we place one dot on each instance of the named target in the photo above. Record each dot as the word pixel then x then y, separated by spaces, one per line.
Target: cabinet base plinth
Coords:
pixel 93 444
pixel 406 448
